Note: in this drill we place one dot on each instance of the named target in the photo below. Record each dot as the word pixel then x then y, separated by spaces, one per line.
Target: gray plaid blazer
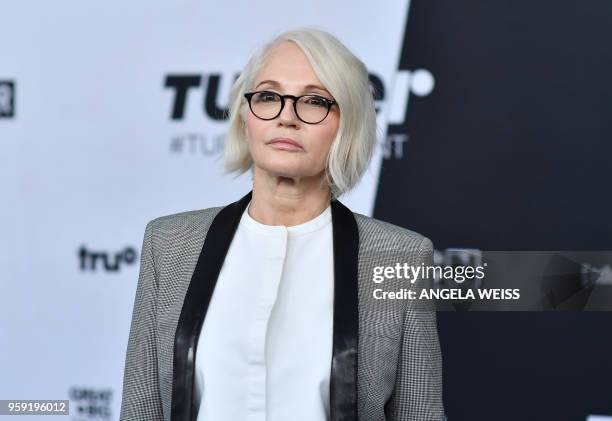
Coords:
pixel 386 362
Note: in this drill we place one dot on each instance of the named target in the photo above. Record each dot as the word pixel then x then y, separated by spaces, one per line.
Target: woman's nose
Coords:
pixel 287 115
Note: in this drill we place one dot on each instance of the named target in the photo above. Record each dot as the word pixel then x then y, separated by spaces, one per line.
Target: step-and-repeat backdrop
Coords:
pixel 494 133
pixel 111 114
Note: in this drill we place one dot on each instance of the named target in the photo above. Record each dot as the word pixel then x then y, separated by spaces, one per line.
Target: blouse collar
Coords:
pixel 312 225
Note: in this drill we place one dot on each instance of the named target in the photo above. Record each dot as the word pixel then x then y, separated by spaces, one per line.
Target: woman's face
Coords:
pixel 288 71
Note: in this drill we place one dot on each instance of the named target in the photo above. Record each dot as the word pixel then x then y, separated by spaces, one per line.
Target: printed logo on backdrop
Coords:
pixel 408 84
pixel 7 98
pixel 87 404
pixel 105 261
pixel 204 90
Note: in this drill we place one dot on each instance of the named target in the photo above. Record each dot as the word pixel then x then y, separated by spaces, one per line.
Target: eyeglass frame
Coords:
pixel 330 103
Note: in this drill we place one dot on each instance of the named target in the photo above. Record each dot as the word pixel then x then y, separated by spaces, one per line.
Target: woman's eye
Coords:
pixel 267 97
pixel 316 101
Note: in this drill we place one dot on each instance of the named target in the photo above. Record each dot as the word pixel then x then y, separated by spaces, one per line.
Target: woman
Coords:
pixel 264 309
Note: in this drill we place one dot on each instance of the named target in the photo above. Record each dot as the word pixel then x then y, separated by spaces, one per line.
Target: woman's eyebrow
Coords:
pixel 306 88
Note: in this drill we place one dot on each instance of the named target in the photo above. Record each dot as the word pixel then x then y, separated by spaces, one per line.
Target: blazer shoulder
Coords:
pixel 374 232
pixel 187 220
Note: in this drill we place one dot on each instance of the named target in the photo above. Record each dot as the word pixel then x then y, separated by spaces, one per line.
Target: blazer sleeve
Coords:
pixel 141 394
pixel 418 387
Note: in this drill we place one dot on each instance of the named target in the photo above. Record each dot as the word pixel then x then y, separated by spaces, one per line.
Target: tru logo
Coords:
pixel 7 98
pixel 101 260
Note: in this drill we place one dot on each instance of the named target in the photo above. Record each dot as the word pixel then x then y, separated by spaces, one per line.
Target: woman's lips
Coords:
pixel 285 144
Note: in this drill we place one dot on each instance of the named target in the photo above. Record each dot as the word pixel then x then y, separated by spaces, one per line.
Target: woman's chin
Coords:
pixel 285 172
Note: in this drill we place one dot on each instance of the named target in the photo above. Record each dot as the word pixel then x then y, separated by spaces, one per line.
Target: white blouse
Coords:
pixel 265 349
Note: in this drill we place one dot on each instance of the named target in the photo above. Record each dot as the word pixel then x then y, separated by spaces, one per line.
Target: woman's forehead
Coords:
pixel 286 63
pixel 296 84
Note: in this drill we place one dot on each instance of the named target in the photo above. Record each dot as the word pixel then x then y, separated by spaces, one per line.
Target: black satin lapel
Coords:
pixel 343 382
pixel 197 299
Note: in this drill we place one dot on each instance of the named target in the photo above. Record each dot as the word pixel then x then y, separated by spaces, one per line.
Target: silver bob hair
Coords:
pixel 345 77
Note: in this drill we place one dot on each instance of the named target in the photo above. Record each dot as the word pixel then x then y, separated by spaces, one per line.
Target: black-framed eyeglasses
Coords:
pixel 267 105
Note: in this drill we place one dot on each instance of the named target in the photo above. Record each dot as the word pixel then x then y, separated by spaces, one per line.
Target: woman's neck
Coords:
pixel 287 201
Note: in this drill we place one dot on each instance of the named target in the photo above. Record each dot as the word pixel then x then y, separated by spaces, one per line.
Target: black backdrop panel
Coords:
pixel 511 151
